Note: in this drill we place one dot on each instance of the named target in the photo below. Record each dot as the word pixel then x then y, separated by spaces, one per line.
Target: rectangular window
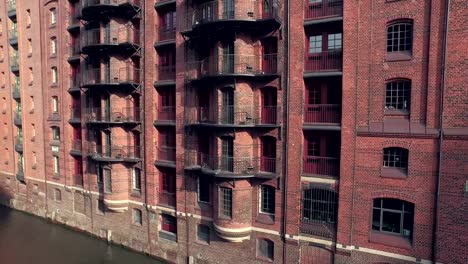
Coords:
pixel 56 165
pixel 55 106
pixel 167 181
pixel 267 198
pixel 225 202
pixel 315 44
pixel 397 96
pixel 136 176
pixel 58 195
pixel 107 181
pixel 55 133
pixel 137 217
pixel 313 147
pixel 203 234
pixel 265 249
pixel 203 190
pixel 169 224
pixel 335 41
pixel 400 37
pixel 53 16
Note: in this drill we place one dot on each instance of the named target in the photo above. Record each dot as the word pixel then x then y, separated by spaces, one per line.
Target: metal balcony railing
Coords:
pixel 12 34
pixel 165 34
pixel 75 13
pixel 268 165
pixel 166 153
pixel 235 10
pixel 322 166
pixel 77 146
pixel 165 113
pixel 91 3
pixel 14 61
pixel 113 115
pixel 106 76
pixel 75 48
pixel 239 115
pixel 17 117
pixel 331 60
pixel 16 90
pixel 75 81
pixel 78 179
pixel 167 199
pixel 75 113
pixel 114 152
pixel 11 5
pixel 322 113
pixel 18 140
pixel 323 9
pixel 165 72
pixel 112 36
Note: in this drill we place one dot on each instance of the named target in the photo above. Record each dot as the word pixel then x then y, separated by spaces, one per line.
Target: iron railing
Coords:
pixel 322 113
pixel 114 36
pixel 18 140
pixel 165 113
pixel 11 5
pixel 166 33
pixel 91 3
pixel 17 117
pixel 14 61
pixel 233 115
pixel 75 113
pixel 113 115
pixel 111 75
pixel 166 153
pixel 114 152
pixel 319 211
pixel 165 72
pixel 16 90
pixel 323 9
pixel 75 13
pixel 217 11
pixel 322 166
pixel 12 34
pixel 78 179
pixel 331 60
pixel 167 199
pixel 75 80
pixel 75 48
pixel 77 146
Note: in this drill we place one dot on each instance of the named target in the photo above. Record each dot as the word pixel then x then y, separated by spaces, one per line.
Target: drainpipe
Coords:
pixel 285 124
pixel 441 137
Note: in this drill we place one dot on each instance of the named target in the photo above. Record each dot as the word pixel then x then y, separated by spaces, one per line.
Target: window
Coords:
pixel 398 95
pixel 313 146
pixel 56 165
pixel 53 46
pixel 395 158
pixel 100 206
pixel 55 104
pixel 319 210
pixel 315 44
pixel 136 179
pixel 203 190
pixel 265 249
pixel 267 199
pixel 28 18
pixel 55 133
pixel 393 216
pixel 54 75
pixel 167 181
pixel 53 16
pixel 30 49
pixel 33 130
pixel 34 158
pixel 225 202
pixel 107 180
pixel 57 195
pixel 335 41
pixel 168 227
pixel 400 37
pixel 31 76
pixel 203 234
pixel 137 217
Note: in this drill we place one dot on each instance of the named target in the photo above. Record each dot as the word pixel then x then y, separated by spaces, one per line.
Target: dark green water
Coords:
pixel 26 239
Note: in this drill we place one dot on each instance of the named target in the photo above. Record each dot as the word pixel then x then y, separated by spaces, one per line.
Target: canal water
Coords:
pixel 26 239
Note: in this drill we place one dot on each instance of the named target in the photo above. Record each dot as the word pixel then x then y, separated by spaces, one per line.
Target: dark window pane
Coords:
pixel 391 222
pixel 203 233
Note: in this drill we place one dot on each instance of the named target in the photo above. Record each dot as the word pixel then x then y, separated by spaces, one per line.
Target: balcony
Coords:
pixel 13 36
pixel 234 116
pixel 325 63
pixel 232 65
pixel 123 39
pixel 16 94
pixel 165 115
pixel 125 77
pixel 115 116
pixel 163 3
pixel 75 51
pixel 74 18
pixel 322 116
pixel 114 153
pixel 76 148
pixel 166 156
pixel 254 17
pixel 231 167
pixel 75 115
pixel 321 166
pixel 11 9
pixel 166 75
pixel 17 118
pixel 14 64
pixel 121 8
pixel 167 199
pixel 74 83
pixel 323 11
pixel 78 179
pixel 20 173
pixel 166 36
pixel 19 144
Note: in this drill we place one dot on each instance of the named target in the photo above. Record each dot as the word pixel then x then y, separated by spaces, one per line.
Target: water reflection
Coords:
pixel 25 239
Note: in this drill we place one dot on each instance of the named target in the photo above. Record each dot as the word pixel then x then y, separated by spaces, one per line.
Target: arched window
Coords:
pixel 319 211
pixel 53 45
pixel 395 157
pixel 398 95
pixel 393 216
pixel 400 36
pixel 265 249
pixel 53 16
pixel 54 75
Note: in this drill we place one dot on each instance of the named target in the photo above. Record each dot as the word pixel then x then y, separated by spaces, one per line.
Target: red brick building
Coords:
pixel 241 131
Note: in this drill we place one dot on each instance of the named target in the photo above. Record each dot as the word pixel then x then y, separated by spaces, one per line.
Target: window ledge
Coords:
pixel 398 56
pixel 267 219
pixel 390 240
pixel 395 173
pixel 396 112
pixel 136 193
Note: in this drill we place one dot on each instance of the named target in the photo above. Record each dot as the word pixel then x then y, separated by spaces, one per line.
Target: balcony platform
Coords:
pixel 120 8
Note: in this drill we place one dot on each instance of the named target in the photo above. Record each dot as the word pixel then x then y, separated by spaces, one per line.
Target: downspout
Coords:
pixel 285 123
pixel 441 134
